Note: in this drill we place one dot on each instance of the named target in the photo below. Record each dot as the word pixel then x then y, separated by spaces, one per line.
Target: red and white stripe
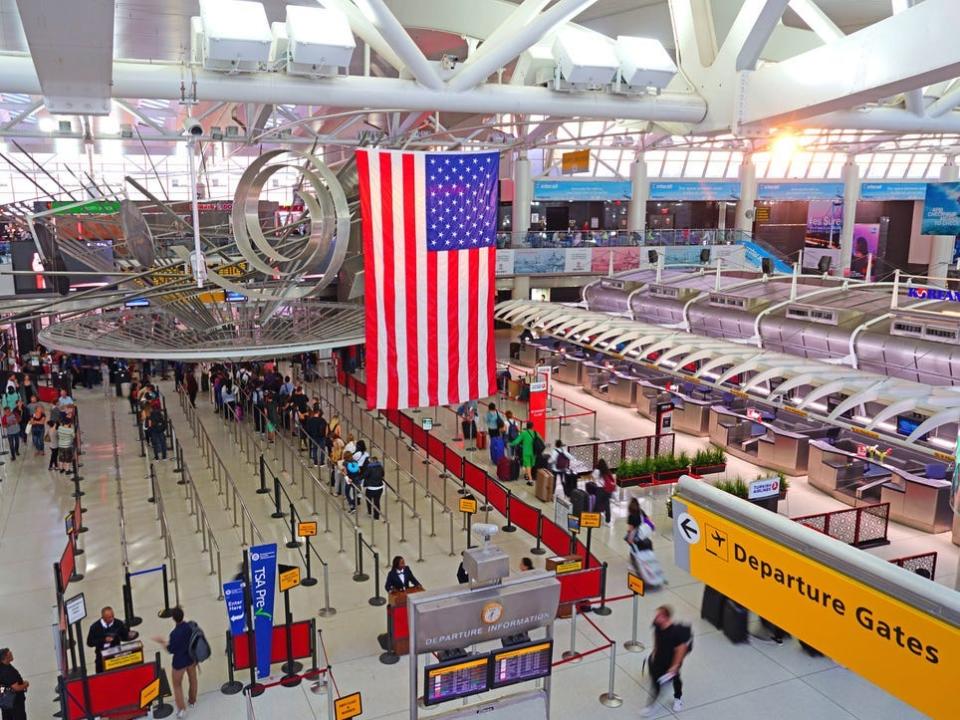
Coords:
pixel 429 315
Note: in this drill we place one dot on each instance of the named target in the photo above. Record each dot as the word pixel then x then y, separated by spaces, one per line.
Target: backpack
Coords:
pixel 563 461
pixel 512 431
pixel 198 647
pixel 538 445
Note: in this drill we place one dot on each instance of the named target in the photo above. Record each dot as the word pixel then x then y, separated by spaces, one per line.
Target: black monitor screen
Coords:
pixel 519 664
pixel 906 424
pixel 452 680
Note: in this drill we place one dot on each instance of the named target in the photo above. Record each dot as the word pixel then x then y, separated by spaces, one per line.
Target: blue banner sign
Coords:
pixel 581 190
pixel 933 294
pixel 800 191
pixel 893 190
pixel 233 598
pixel 941 209
pixel 695 190
pixel 263 586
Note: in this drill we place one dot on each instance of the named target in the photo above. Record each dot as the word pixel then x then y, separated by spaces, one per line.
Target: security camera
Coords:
pixel 485 531
pixel 193 127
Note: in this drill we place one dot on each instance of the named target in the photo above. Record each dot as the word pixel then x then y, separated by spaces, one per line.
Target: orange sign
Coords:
pixel 307 529
pixel 349 706
pixel 635 584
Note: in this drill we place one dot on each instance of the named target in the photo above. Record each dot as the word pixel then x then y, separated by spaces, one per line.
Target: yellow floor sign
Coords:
pixel 904 650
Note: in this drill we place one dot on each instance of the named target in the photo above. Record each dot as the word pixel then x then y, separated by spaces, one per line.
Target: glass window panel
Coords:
pixel 878 168
pixel 836 168
pixel 672 168
pixel 896 171
pixel 800 164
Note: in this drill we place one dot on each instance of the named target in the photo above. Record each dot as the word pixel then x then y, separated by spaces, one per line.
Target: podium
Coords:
pixel 398 631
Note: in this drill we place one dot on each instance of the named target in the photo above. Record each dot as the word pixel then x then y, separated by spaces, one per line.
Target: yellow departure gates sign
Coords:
pixel 904 650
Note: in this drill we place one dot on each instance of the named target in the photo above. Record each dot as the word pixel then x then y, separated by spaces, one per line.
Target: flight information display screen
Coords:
pixel 519 664
pixel 457 679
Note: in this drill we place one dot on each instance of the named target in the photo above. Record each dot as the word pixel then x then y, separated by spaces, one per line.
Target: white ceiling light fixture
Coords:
pixel 585 60
pixel 109 125
pixel 644 63
pixel 319 40
pixel 231 35
pixel 47 124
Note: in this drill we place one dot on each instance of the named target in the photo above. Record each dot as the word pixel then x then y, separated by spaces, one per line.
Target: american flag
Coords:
pixel 429 224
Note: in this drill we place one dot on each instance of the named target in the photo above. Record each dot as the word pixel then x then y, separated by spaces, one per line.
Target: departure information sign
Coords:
pixel 455 680
pixel 514 665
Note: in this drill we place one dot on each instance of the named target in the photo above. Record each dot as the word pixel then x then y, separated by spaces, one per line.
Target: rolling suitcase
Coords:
pixel 579 502
pixel 515 468
pixel 481 440
pixel 504 469
pixel 735 622
pixel 646 565
pixel 545 483
pixel 711 607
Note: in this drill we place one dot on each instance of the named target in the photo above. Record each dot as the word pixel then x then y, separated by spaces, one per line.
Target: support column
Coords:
pixel 522 195
pixel 639 193
pixel 941 246
pixel 851 194
pixel 748 195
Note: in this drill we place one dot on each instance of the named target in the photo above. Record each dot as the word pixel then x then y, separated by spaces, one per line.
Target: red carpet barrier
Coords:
pixel 521 514
pixel 68 563
pixel 112 693
pixel 301 635
pixel 580 585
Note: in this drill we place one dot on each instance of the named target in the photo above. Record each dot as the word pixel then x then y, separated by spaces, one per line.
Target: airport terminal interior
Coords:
pixel 531 359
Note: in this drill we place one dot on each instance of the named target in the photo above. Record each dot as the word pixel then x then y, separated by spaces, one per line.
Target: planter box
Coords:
pixel 636 480
pixel 669 475
pixel 709 469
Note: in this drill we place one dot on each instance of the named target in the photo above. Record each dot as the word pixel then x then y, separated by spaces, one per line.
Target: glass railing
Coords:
pixel 619 238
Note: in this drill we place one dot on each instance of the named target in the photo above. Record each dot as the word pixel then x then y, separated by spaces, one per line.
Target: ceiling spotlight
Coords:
pixel 47 124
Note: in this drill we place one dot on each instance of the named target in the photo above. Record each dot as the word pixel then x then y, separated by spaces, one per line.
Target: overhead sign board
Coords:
pixel 575 161
pixel 893 190
pixel 728 190
pixel 800 191
pixel 908 652
pixel 941 209
pixel 444 623
pixel 581 190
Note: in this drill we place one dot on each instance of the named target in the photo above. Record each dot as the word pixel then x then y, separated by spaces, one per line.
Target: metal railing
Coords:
pixel 169 551
pixel 923 564
pixel 860 527
pixel 221 475
pixel 620 238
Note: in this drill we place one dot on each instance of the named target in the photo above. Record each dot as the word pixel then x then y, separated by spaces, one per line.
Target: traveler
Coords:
pixel 38 428
pixel 52 426
pixel 526 564
pixel 529 442
pixel 336 463
pixel 492 420
pixel 12 681
pixel 157 432
pixel 512 429
pixel 671 644
pixel 606 486
pixel 178 645
pixel 468 420
pixel 66 437
pixel 401 578
pixel 192 388
pixel 11 430
pixel 315 430
pixel 65 398
pixel 560 461
pixel 373 484
pixel 106 632
pixel 498 442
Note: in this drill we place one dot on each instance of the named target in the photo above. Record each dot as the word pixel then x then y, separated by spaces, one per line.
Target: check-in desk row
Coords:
pixel 916 488
pixel 777 441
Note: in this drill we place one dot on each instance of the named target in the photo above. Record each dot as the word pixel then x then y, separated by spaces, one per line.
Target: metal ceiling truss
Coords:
pixel 723 360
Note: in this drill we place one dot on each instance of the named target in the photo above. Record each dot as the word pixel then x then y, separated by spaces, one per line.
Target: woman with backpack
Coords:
pixel 531 447
pixel 182 645
pixel 559 462
pixel 607 486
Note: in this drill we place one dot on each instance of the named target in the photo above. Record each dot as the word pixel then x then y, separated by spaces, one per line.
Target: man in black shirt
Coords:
pixel 106 632
pixel 671 643
pixel 315 428
pixel 11 681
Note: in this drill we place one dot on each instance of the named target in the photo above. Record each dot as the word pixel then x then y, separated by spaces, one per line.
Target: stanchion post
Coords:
pixel 377 600
pixel 538 550
pixel 610 698
pixel 165 613
pixel 326 610
pixel 293 542
pixel 572 653
pixel 291 667
pixel 143 450
pixel 633 644
pixel 277 512
pixel 129 616
pixel 509 527
pixel 309 580
pixel 359 575
pixel 263 489
pixel 603 609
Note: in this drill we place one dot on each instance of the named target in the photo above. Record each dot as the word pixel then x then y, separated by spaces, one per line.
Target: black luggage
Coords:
pixel 735 622
pixel 711 608
pixel 515 468
pixel 579 501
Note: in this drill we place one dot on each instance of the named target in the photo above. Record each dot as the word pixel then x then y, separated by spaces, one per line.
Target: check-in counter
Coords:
pixel 594 378
pixel 917 490
pixel 622 388
pixel 691 409
pixel 651 391
pixel 780 443
pixel 530 353
pixel 569 369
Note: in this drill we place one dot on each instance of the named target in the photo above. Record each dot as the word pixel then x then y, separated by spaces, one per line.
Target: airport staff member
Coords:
pixel 106 632
pixel 13 682
pixel 400 577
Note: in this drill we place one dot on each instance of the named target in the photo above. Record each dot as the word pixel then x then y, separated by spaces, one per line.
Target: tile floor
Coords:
pixel 756 676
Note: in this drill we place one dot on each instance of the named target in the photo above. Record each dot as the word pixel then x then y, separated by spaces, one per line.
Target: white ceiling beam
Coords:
pixel 914 48
pixel 694 34
pixel 401 43
pixel 817 20
pixel 523 14
pixel 72 48
pixel 945 103
pixel 752 30
pixel 491 56
pixel 162 82
pixel 365 30
pixel 912 99
pixel 22 115
pixel 894 120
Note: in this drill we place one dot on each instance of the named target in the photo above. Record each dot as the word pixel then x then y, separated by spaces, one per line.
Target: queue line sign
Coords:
pixel 903 649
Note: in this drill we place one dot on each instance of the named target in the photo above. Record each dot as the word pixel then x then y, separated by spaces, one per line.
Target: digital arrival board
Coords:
pixel 479 673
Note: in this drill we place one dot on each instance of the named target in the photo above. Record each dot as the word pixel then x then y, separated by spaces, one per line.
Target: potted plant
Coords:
pixel 784 485
pixel 710 461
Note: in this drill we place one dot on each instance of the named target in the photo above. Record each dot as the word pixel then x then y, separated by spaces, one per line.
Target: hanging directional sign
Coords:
pixel 689 530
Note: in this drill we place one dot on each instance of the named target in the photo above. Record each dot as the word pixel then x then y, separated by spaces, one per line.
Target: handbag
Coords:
pixel 8 698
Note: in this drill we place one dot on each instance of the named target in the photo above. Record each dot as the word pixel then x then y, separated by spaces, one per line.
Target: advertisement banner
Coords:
pixel 624 258
pixel 233 599
pixel 893 190
pixel 866 238
pixel 728 190
pixel 539 261
pixel 941 209
pixel 578 260
pixel 800 190
pixel 581 190
pixel 538 408
pixel 504 262
pixel 263 587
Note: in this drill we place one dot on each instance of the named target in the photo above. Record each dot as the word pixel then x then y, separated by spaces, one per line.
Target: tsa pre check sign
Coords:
pixel 906 651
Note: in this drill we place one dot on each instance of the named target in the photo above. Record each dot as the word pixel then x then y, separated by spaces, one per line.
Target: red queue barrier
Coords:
pixel 112 693
pixel 301 636
pixel 555 537
pixel 524 517
pixel 67 565
pixel 453 461
pixel 581 585
pixel 436 448
pixel 497 497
